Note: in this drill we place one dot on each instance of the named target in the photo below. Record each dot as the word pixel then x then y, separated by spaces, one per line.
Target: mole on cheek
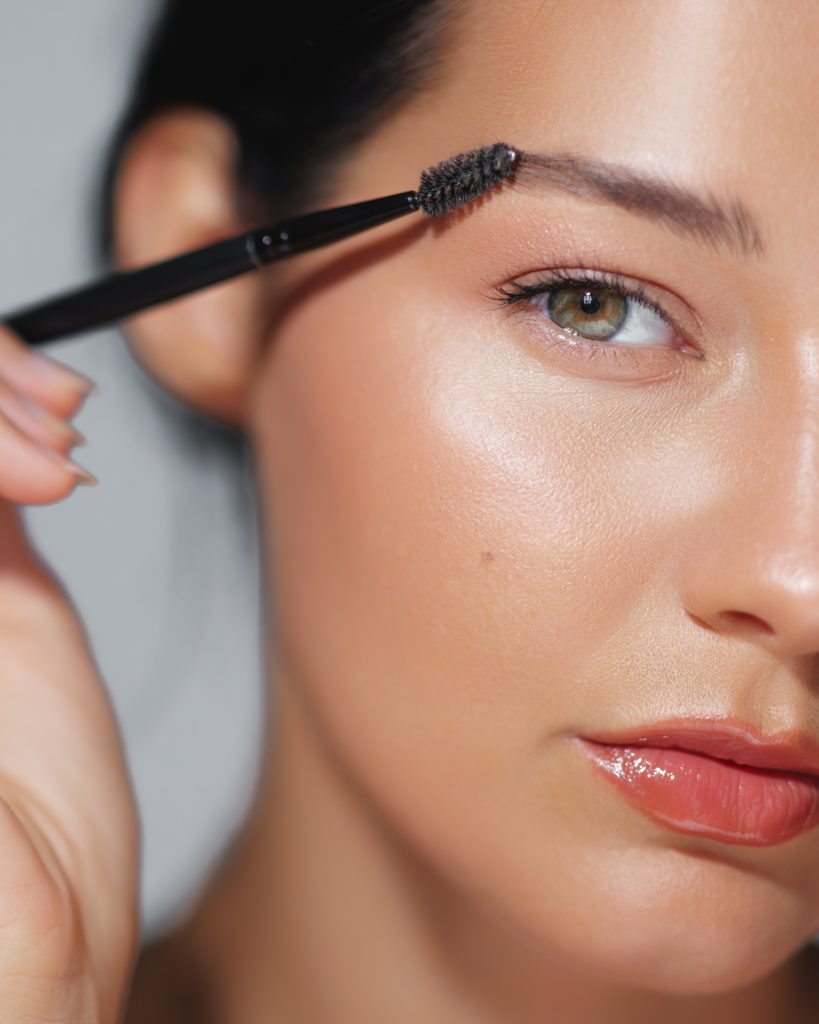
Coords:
pixel 487 557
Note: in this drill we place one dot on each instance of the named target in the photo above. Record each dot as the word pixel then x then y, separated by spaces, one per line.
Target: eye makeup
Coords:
pixel 599 316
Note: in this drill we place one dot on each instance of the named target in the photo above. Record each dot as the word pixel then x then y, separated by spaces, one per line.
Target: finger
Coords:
pixel 36 421
pixel 41 951
pixel 33 474
pixel 57 387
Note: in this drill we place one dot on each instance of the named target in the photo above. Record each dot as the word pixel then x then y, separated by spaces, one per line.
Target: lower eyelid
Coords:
pixel 606 359
pixel 653 295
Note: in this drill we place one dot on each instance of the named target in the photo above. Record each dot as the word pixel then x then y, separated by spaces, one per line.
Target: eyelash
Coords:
pixel 516 292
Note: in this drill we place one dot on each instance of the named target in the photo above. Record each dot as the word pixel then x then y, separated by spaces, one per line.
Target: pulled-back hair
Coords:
pixel 299 82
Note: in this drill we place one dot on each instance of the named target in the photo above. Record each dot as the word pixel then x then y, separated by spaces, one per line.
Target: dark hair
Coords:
pixel 300 82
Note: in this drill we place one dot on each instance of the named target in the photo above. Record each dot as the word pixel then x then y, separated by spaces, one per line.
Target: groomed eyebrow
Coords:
pixel 704 218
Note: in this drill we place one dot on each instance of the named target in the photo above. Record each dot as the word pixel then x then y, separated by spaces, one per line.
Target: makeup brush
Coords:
pixel 447 186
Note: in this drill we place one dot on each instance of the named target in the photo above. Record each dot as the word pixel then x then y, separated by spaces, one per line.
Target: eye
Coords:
pixel 599 324
pixel 596 309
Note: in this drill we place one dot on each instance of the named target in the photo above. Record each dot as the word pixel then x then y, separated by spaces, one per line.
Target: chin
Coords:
pixel 703 962
pixel 673 923
pixel 652 918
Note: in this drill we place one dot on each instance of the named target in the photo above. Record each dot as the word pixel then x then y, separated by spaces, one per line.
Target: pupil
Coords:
pixel 589 303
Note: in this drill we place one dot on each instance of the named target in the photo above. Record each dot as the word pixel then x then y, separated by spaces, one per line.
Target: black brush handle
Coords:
pixel 316 229
pixel 128 292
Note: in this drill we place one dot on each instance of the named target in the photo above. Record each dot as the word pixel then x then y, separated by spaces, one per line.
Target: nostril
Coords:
pixel 741 622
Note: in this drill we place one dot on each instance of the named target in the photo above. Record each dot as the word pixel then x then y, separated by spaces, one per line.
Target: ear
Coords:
pixel 175 192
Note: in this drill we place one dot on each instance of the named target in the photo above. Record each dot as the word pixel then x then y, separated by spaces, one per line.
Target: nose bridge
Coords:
pixel 761 563
pixel 792 427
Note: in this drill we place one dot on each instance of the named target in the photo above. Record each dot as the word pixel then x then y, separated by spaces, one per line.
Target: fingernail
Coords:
pixel 49 369
pixel 82 474
pixel 67 430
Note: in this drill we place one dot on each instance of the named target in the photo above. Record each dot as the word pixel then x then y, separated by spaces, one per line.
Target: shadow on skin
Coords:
pixel 365 256
pixel 345 266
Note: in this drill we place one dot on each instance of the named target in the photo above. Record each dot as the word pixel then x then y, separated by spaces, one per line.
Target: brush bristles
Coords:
pixel 464 178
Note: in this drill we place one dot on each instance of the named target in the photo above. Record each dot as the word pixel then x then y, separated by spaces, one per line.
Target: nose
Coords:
pixel 752 568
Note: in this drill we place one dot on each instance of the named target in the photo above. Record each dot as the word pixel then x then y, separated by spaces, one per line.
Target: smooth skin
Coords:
pixel 483 539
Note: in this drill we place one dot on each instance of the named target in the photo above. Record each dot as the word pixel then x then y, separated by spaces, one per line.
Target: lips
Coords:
pixel 717 780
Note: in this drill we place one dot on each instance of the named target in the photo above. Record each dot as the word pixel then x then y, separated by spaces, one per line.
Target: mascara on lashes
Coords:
pixel 518 292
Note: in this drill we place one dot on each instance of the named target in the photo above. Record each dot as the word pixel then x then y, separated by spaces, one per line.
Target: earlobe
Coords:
pixel 175 192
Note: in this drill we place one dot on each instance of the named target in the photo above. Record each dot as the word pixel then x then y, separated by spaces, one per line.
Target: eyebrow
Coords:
pixel 705 218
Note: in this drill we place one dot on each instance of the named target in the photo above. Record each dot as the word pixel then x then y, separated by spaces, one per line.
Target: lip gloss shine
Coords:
pixel 699 794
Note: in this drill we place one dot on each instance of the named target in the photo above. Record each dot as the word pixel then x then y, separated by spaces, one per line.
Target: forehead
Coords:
pixel 721 95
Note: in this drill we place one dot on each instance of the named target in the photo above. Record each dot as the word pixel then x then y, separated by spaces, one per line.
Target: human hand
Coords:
pixel 69 832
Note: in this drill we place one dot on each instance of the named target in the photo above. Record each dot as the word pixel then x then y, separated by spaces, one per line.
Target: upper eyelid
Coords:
pixel 579 265
pixel 568 278
pixel 553 276
pixel 606 281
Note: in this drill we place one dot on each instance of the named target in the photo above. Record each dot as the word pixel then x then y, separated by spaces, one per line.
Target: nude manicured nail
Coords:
pixel 82 474
pixel 52 371
pixel 59 426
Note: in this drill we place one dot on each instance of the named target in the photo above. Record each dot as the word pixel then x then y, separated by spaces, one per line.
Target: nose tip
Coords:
pixel 778 610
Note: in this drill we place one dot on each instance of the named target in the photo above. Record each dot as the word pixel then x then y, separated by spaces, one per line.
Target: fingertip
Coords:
pixel 37 373
pixel 40 477
pixel 69 402
pixel 46 488
pixel 73 469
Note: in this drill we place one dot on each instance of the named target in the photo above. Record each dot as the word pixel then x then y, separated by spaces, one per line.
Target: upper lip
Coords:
pixel 724 739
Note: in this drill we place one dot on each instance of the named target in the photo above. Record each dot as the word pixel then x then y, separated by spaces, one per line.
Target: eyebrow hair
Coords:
pixel 704 218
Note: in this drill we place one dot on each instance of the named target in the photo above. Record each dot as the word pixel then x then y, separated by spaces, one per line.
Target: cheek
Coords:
pixel 454 535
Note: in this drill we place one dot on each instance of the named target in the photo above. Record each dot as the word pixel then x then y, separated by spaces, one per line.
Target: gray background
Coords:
pixel 161 558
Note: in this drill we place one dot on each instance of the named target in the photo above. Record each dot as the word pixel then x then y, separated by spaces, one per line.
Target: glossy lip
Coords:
pixel 727 739
pixel 716 779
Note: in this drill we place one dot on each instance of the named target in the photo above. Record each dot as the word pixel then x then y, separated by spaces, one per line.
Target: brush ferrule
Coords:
pixel 317 229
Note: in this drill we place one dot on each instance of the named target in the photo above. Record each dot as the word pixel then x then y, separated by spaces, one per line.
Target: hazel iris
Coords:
pixel 592 313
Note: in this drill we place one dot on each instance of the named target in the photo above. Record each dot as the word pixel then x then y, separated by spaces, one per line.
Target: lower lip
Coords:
pixel 703 796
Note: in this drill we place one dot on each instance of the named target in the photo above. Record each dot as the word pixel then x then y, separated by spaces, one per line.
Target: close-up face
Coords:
pixel 539 484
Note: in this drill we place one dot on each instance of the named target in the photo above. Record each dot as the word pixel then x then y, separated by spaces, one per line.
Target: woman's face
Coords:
pixel 493 537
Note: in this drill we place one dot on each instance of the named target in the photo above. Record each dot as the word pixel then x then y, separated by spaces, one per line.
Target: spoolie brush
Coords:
pixel 447 186
pixel 464 178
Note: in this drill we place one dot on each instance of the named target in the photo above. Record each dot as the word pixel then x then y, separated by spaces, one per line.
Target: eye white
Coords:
pixel 641 327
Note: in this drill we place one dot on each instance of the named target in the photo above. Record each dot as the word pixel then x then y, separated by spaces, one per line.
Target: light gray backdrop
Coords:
pixel 161 557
